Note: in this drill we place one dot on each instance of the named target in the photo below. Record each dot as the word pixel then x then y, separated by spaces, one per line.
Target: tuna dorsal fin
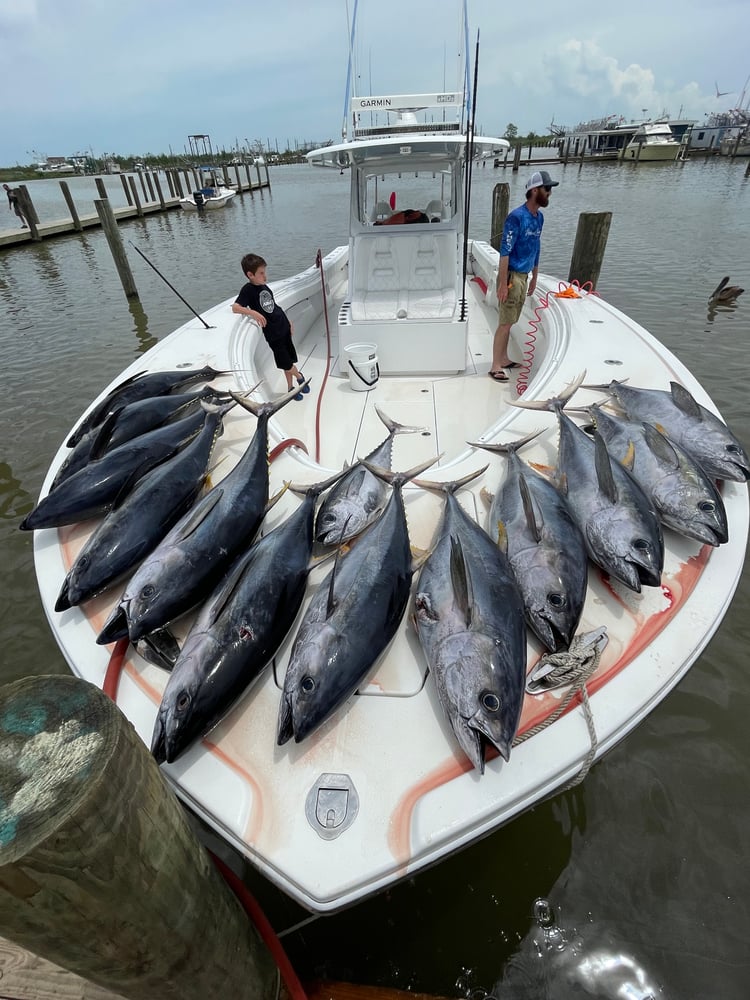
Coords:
pixel 460 581
pixel 103 434
pixel 230 583
pixel 660 445
pixel 683 400
pixel 533 518
pixel 603 465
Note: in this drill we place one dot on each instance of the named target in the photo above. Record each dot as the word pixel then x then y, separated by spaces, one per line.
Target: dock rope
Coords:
pixel 572 666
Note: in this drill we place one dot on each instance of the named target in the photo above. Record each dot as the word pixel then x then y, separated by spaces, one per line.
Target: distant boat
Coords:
pixel 735 142
pixel 651 142
pixel 607 138
pixel 208 197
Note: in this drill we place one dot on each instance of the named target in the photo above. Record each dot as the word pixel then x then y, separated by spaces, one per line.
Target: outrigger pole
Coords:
pixel 347 95
pixel 207 325
pixel 469 162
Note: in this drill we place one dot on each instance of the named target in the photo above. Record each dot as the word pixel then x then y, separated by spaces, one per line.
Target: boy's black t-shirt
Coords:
pixel 260 298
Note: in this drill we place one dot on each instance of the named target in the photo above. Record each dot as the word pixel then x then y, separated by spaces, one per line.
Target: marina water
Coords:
pixel 643 870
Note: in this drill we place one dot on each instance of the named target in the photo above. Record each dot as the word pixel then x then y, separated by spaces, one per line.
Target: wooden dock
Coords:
pixel 144 193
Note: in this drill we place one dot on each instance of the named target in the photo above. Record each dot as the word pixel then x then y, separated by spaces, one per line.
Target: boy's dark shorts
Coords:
pixel 510 310
pixel 284 353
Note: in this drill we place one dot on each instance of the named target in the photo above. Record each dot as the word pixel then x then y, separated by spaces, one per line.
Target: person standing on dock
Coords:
pixel 14 202
pixel 519 254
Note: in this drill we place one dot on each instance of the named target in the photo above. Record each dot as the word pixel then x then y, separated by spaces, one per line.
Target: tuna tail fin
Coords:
pixel 554 402
pixel 453 485
pixel 315 489
pixel 265 407
pixel 396 428
pixel 398 479
pixel 505 449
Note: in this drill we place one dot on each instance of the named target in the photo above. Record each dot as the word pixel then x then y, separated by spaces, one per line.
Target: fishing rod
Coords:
pixel 197 315
pixel 469 162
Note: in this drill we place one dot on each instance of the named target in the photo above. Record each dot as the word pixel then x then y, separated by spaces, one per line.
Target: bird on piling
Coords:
pixel 725 292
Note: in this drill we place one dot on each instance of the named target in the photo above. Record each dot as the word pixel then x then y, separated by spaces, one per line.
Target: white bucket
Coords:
pixel 362 365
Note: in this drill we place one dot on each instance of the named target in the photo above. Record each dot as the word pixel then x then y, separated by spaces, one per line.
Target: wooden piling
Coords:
pixel 149 185
pixel 500 205
pixel 249 180
pixel 100 872
pixel 160 196
pixel 100 187
pixel 136 198
pixel 516 158
pixel 237 177
pixel 589 247
pixel 143 184
pixel 71 206
pixel 109 225
pixel 126 189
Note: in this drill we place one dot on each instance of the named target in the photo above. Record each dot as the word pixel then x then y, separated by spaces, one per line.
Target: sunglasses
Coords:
pixel 547 187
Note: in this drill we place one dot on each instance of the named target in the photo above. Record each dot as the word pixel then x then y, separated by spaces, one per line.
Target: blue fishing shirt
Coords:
pixel 522 239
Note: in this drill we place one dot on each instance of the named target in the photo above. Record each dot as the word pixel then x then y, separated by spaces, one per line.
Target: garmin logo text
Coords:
pixel 376 102
pixel 446 98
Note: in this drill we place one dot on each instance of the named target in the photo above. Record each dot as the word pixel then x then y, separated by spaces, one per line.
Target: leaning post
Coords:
pixel 100 871
pixel 589 247
pixel 136 199
pixel 500 205
pixel 71 206
pixel 111 231
pixel 27 207
pixel 516 158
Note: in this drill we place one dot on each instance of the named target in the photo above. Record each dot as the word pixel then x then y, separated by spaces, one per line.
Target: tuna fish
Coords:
pixel 140 386
pixel 130 531
pixel 127 423
pixel 237 631
pixel 701 433
pixel 621 530
pixel 94 489
pixel 351 619
pixel 545 547
pixel 469 617
pixel 359 497
pixel 684 496
pixel 188 563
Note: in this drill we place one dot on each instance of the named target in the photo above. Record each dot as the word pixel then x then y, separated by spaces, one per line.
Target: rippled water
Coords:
pixel 647 860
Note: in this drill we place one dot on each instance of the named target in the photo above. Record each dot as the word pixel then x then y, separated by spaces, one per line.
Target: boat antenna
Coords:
pixel 347 95
pixel 466 60
pixel 467 171
pixel 207 325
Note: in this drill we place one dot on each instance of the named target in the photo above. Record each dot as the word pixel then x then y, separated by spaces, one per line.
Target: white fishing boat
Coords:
pixel 207 198
pixel 389 319
pixel 652 142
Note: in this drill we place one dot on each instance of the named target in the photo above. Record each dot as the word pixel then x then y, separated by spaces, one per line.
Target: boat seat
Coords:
pixel 381 211
pixel 434 210
pixel 380 296
pixel 432 287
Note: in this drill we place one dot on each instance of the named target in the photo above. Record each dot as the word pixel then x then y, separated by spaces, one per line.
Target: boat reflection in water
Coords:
pixel 555 962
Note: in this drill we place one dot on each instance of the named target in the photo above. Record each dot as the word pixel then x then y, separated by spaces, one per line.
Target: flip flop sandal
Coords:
pixel 512 364
pixel 498 376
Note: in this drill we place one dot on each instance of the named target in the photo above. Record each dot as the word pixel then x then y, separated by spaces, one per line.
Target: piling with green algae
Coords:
pixel 100 872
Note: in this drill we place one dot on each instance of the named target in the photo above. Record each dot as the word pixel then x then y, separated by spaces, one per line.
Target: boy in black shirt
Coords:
pixel 256 300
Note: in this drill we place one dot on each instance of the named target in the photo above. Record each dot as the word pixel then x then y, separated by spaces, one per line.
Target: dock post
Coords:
pixel 500 205
pixel 158 190
pixel 257 170
pixel 589 247
pixel 126 189
pixel 170 185
pixel 249 179
pixel 747 169
pixel 109 225
pixel 143 184
pixel 100 871
pixel 71 206
pixel 237 177
pixel 27 207
pixel 149 185
pixel 101 188
pixel 516 158
pixel 736 145
pixel 136 199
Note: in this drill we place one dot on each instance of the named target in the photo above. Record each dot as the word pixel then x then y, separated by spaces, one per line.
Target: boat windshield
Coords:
pixel 396 197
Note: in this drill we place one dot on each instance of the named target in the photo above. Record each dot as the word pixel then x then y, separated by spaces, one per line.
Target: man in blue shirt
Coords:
pixel 519 255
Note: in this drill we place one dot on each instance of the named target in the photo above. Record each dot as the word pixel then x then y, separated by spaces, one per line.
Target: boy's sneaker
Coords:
pixel 299 397
pixel 300 380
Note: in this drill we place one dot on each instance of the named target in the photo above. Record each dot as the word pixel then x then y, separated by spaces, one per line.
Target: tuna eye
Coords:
pixel 308 684
pixel 148 590
pixel 556 600
pixel 183 702
pixel 490 701
pixel 733 449
pixel 642 544
pixel 707 506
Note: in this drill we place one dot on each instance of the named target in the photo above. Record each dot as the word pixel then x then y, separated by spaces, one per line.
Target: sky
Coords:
pixel 140 76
